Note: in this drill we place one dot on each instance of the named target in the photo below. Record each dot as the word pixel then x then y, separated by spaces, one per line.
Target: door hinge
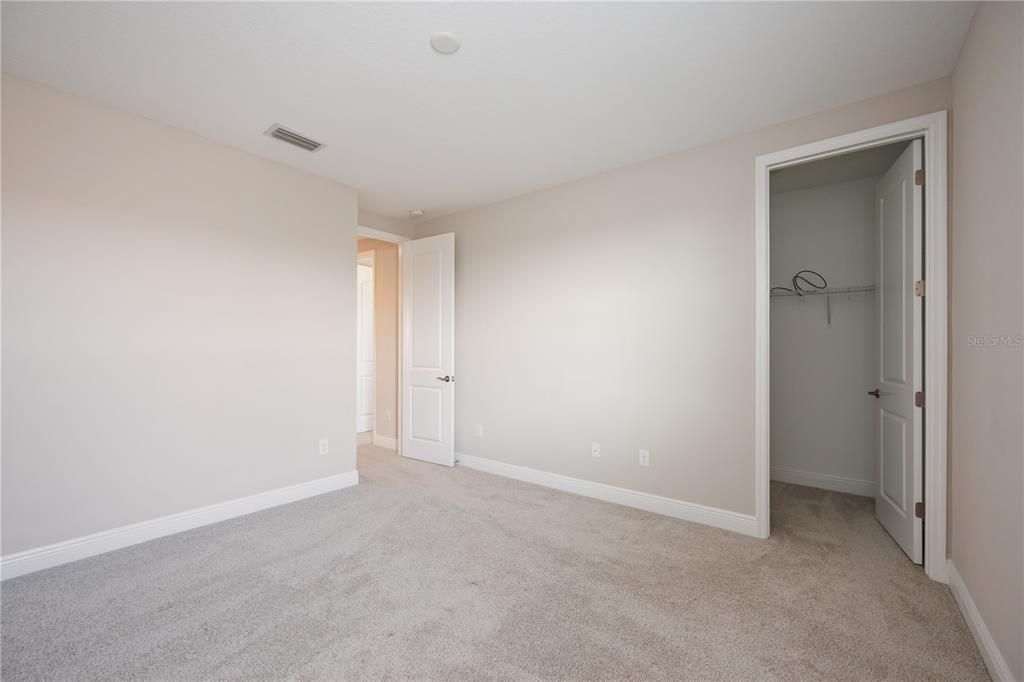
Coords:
pixel 919 177
pixel 919 510
pixel 919 288
pixel 919 399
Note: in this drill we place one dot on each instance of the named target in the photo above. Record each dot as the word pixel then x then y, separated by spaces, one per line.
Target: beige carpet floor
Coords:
pixel 428 573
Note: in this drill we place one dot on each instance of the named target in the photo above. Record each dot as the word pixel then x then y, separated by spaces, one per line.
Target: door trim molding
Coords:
pixel 932 128
pixel 736 522
pixel 381 235
pixel 48 556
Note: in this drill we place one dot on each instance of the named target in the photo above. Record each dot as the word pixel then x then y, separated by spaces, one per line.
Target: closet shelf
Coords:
pixel 826 292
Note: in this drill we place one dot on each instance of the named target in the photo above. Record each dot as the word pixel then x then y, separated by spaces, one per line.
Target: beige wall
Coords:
pixel 620 309
pixel 385 335
pixel 177 320
pixel 405 228
pixel 987 445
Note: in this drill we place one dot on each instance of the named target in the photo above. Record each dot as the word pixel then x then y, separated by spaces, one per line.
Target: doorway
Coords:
pixel 365 380
pixel 377 325
pixel 848 344
pixel 405 344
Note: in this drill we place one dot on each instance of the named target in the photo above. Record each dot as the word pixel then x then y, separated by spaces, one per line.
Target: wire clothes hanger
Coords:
pixel 814 286
pixel 806 283
pixel 797 289
pixel 798 278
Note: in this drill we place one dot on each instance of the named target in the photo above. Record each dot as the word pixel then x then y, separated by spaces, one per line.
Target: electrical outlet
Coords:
pixel 479 430
pixel 645 458
pixel 595 449
pixel 323 446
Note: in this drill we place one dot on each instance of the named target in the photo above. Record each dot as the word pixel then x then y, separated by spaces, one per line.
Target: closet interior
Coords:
pixel 825 345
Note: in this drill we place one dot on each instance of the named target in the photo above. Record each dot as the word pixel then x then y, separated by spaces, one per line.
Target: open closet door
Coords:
pixel 428 349
pixel 901 362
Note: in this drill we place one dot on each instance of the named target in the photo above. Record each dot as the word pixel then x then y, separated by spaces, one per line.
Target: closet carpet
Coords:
pixel 428 573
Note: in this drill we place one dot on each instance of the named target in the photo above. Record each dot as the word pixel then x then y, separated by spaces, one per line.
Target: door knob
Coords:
pixel 875 393
pixel 445 379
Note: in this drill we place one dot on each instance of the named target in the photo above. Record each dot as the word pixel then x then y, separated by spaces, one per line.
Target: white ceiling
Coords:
pixel 539 94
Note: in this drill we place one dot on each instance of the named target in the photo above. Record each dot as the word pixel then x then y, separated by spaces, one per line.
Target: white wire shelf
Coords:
pixel 830 291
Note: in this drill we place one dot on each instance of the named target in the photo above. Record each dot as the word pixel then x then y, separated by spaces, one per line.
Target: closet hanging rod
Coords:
pixel 826 292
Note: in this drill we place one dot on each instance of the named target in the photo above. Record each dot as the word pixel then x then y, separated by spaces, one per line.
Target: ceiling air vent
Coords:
pixel 293 138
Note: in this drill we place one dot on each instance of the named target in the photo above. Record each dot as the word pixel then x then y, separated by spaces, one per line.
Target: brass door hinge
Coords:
pixel 919 399
pixel 919 177
pixel 919 510
pixel 919 288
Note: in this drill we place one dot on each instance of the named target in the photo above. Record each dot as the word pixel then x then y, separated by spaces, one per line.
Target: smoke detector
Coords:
pixel 415 213
pixel 444 42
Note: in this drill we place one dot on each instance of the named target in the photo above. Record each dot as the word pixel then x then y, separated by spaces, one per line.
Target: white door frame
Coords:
pixel 373 233
pixel 932 128
pixel 381 235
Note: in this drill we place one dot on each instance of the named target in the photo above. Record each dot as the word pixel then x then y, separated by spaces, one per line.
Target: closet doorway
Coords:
pixel 846 335
pixel 843 334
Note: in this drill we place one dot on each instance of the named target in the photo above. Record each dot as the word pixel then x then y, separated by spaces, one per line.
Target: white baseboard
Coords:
pixel 385 442
pixel 840 484
pixel 994 661
pixel 688 511
pixel 59 553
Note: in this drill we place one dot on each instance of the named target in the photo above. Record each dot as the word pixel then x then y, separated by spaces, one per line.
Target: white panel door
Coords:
pixel 901 361
pixel 364 349
pixel 428 349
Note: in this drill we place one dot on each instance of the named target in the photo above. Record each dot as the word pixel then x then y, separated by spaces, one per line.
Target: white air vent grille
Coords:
pixel 293 138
